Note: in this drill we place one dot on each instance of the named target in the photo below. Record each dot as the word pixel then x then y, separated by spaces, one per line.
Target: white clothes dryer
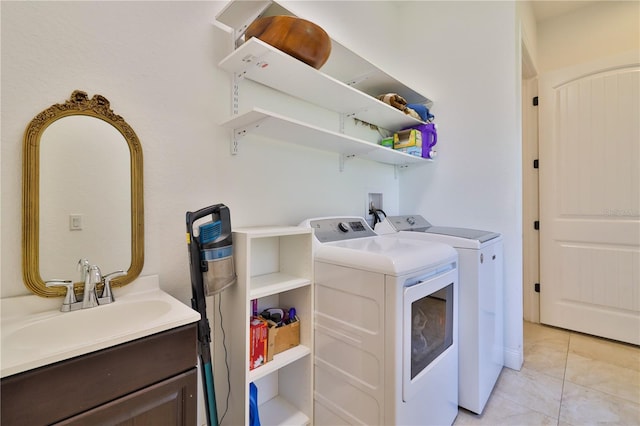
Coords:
pixel 481 323
pixel 385 333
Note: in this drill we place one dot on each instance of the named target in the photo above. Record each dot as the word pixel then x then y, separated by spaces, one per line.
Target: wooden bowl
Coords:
pixel 297 37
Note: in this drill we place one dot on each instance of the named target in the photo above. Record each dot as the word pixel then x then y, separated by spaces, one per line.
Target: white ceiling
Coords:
pixel 545 9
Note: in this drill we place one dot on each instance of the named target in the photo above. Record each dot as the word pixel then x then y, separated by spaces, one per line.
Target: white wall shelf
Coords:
pixel 275 126
pixel 343 64
pixel 262 63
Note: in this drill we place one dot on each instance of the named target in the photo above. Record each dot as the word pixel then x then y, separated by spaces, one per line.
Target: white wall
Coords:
pixel 467 55
pixel 601 29
pixel 156 63
pixel 529 33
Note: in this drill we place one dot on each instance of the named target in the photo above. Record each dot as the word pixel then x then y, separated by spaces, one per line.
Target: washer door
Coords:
pixel 428 329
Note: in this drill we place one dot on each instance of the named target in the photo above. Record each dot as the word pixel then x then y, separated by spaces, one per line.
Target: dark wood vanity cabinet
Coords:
pixel 149 381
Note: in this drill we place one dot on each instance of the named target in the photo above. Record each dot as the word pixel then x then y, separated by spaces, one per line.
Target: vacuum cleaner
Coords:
pixel 212 270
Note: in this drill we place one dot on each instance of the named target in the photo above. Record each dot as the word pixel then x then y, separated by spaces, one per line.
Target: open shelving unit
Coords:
pixel 275 266
pixel 349 87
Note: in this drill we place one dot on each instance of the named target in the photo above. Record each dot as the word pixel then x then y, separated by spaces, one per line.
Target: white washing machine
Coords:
pixel 385 333
pixel 481 341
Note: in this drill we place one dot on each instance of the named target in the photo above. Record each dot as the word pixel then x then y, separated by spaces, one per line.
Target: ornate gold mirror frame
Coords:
pixel 78 104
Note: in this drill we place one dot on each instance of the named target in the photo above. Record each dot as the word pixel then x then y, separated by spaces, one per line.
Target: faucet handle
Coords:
pixel 107 295
pixel 69 298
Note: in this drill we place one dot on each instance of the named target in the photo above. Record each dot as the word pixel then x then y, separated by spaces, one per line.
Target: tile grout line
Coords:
pixel 564 378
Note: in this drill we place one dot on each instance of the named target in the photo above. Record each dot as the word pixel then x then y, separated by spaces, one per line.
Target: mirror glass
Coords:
pixel 82 194
pixel 85 197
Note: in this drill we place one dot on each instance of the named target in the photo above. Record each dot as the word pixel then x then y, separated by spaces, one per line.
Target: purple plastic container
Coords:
pixel 429 138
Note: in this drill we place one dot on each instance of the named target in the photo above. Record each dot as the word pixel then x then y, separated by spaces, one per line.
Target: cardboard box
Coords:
pixel 258 341
pixel 407 138
pixel 283 338
pixel 412 150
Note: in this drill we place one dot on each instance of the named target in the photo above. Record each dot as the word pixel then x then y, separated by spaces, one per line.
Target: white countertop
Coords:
pixel 35 333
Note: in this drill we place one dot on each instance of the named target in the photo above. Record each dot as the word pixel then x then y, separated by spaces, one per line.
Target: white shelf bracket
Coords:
pixel 397 168
pixel 241 132
pixel 251 62
pixel 359 79
pixel 341 160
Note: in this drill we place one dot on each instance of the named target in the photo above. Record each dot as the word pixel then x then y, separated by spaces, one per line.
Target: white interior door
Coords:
pixel 590 198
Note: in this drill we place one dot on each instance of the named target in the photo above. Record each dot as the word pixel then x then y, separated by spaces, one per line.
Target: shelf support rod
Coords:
pixel 235 95
pixel 235 140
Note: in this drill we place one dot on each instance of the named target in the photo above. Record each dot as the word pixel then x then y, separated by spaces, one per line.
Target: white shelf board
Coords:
pixel 261 62
pixel 281 128
pixel 279 411
pixel 272 231
pixel 268 284
pixel 280 360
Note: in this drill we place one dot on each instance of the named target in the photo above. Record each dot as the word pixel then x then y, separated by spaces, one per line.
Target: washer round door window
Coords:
pixel 428 328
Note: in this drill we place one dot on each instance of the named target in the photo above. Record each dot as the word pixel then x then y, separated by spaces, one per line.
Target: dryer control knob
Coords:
pixel 411 220
pixel 343 227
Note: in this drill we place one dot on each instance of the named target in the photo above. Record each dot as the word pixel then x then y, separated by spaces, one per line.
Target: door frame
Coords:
pixel 530 191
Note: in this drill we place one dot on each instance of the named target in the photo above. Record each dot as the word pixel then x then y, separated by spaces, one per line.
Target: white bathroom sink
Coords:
pixel 35 333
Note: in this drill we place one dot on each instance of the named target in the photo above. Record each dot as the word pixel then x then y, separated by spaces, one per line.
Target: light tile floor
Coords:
pixel 567 379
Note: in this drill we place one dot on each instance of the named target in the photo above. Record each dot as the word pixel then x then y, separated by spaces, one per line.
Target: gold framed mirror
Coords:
pixel 52 167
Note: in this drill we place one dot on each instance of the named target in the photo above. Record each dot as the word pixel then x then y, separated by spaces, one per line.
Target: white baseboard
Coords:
pixel 513 358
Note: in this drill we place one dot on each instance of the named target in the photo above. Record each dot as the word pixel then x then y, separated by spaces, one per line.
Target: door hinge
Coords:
pixel 536 287
pixel 536 225
pixel 536 163
pixel 535 101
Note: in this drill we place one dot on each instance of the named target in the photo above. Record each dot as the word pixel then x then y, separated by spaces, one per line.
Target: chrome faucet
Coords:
pixel 92 278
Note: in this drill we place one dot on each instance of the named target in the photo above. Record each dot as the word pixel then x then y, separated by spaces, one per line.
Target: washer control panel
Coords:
pixel 327 230
pixel 408 223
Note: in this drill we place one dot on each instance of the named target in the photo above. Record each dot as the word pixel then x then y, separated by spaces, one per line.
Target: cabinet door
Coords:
pixel 172 402
pixel 82 383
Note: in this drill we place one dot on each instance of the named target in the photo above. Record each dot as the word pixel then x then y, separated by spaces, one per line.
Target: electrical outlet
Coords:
pixel 75 222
